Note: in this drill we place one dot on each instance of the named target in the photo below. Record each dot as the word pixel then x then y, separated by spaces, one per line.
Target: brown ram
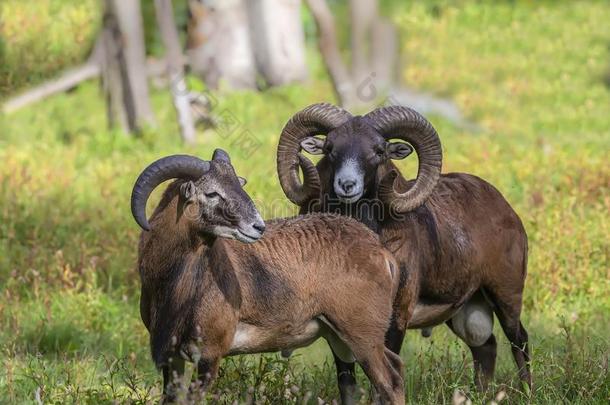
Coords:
pixel 206 296
pixel 463 243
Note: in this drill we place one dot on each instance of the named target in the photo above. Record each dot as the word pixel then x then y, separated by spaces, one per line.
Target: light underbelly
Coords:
pixel 426 315
pixel 472 321
pixel 254 339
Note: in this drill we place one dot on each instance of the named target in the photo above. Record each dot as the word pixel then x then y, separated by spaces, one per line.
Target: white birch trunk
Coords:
pixel 124 66
pixel 278 40
pixel 329 48
pixel 175 71
pixel 219 45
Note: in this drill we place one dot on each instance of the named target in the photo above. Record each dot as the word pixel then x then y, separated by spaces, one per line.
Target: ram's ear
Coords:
pixel 398 150
pixel 313 145
pixel 242 181
pixel 188 190
pixel 221 155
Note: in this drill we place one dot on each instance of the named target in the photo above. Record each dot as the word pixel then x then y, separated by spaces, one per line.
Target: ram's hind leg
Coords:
pixel 346 379
pixel 474 325
pixel 384 369
pixel 506 294
pixel 484 360
pixel 361 337
pixel 508 311
pixel 382 366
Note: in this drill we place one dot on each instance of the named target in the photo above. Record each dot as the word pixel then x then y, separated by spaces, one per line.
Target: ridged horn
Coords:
pixel 169 167
pixel 317 119
pixel 397 122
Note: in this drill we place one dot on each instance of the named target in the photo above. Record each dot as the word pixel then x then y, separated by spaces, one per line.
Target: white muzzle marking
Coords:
pixel 351 172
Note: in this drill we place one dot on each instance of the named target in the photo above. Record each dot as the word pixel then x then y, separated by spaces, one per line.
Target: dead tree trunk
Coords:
pixel 219 45
pixel 234 40
pixel 373 50
pixel 124 66
pixel 329 48
pixel 384 55
pixel 175 70
pixel 362 17
pixel 278 40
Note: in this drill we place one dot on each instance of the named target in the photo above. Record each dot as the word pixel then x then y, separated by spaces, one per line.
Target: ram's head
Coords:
pixel 211 201
pixel 354 148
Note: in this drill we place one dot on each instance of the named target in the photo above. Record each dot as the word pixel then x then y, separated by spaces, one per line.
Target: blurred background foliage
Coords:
pixel 40 38
pixel 530 74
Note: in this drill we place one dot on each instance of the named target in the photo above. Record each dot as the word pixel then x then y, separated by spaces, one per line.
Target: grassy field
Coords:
pixel 531 75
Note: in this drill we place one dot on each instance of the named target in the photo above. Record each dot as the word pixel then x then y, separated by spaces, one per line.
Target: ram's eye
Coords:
pixel 213 194
pixel 380 152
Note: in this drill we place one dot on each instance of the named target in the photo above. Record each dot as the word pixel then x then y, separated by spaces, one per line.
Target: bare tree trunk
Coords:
pixel 124 66
pixel 173 55
pixel 363 15
pixel 112 79
pixel 219 45
pixel 278 40
pixel 384 53
pixel 327 42
pixel 373 50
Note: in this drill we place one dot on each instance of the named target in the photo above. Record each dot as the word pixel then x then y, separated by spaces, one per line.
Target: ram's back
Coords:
pixel 312 258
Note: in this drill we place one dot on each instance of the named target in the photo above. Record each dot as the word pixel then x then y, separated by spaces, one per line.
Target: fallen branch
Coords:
pixel 429 104
pixel 68 80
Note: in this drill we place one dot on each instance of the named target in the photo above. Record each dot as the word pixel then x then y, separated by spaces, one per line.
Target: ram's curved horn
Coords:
pixel 170 167
pixel 396 122
pixel 317 119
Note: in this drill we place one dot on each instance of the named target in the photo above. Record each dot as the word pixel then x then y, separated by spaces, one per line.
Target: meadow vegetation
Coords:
pixel 529 74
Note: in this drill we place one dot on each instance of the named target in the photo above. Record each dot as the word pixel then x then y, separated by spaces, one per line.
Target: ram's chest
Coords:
pixel 170 310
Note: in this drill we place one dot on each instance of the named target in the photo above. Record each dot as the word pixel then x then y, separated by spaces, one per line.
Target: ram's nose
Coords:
pixel 250 232
pixel 347 186
pixel 259 226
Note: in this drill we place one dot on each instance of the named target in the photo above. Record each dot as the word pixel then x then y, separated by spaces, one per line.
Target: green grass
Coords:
pixel 530 74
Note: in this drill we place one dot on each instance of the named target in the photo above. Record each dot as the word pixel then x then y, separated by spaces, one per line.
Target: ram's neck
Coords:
pixel 169 242
pixel 172 268
pixel 369 209
pixel 386 167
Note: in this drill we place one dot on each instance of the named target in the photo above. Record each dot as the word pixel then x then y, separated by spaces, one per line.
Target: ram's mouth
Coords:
pixel 244 237
pixel 237 233
pixel 349 198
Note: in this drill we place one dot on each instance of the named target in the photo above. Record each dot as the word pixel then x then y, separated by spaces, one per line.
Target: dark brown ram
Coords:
pixel 464 245
pixel 206 296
